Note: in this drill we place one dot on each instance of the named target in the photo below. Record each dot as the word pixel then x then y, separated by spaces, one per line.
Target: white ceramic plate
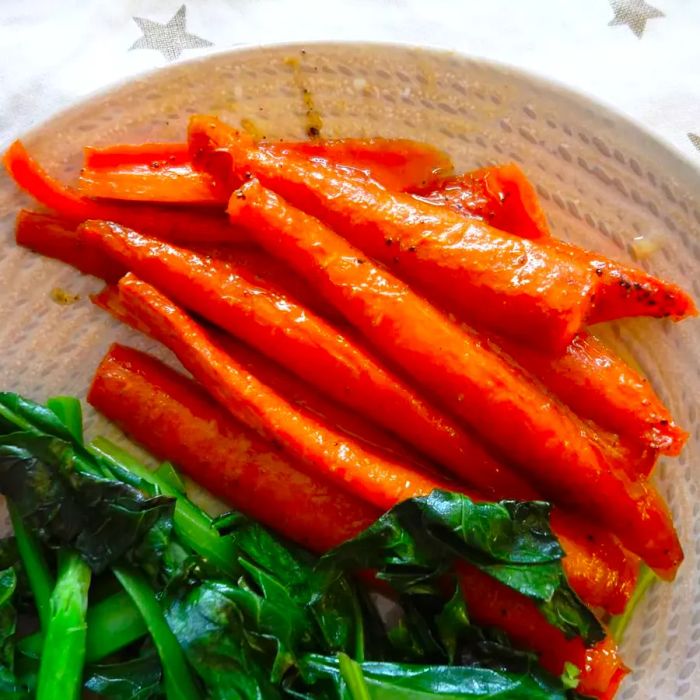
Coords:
pixel 604 183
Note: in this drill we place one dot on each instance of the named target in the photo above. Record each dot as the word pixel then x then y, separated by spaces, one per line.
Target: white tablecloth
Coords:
pixel 642 58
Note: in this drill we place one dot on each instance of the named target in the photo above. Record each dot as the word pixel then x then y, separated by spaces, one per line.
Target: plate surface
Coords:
pixel 604 182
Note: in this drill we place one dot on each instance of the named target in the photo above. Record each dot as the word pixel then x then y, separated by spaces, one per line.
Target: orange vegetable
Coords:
pixel 492 396
pixel 173 224
pixel 599 385
pixel 307 345
pixel 175 420
pixel 483 275
pixel 599 570
pixel 500 195
pixel 163 172
pixel 51 236
pixel 325 452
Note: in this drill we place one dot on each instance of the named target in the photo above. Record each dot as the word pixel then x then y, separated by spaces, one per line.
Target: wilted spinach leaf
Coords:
pixel 421 539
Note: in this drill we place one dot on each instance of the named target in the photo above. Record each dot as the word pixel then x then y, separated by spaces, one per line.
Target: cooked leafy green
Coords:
pixel 418 541
pixel 139 678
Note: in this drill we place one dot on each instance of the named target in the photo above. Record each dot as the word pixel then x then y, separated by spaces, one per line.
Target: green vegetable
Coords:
pixel 63 505
pixel 136 679
pixel 63 655
pixel 331 677
pixel 421 539
pixel 179 683
pixel 10 686
pixel 70 413
pixel 619 623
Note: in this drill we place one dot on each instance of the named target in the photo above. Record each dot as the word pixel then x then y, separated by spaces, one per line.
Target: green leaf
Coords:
pixel 394 681
pixel 104 520
pixel 418 541
pixel 136 679
pixel 619 623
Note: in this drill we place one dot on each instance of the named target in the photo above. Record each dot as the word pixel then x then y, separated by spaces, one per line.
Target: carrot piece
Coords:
pixel 175 420
pixel 599 385
pixel 500 195
pixel 491 603
pixel 52 237
pixel 494 397
pixel 163 222
pixel 375 478
pixel 508 284
pixel 163 172
pixel 595 564
pixel 304 343
pixel 281 382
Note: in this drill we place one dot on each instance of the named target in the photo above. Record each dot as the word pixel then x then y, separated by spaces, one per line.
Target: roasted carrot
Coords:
pixel 304 343
pixel 597 567
pixel 51 236
pixel 483 275
pixel 173 224
pixel 373 477
pixel 599 385
pixel 493 604
pixel 163 172
pixel 500 195
pixel 174 420
pixel 281 382
pixel 491 395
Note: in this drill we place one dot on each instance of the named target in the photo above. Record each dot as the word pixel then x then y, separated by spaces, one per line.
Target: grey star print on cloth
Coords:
pixel 171 38
pixel 633 13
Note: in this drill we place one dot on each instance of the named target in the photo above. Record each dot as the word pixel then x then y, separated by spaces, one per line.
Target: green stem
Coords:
pixel 63 654
pixel 179 682
pixel 40 578
pixel 353 677
pixel 619 624
pixel 69 411
pixel 193 525
pixel 113 623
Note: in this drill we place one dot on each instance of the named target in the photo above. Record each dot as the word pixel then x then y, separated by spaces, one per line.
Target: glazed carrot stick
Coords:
pixel 373 477
pixel 503 282
pixel 163 172
pixel 598 384
pixel 51 236
pixel 500 195
pixel 307 345
pixel 176 420
pixel 599 570
pixel 491 395
pixel 164 222
pixel 283 383
pixel 171 416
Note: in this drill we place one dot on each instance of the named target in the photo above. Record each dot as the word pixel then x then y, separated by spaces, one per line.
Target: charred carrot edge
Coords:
pixel 173 418
pixel 307 345
pixel 597 567
pixel 500 195
pixel 163 173
pixel 495 398
pixel 627 291
pixel 176 420
pixel 505 283
pixel 53 237
pixel 162 222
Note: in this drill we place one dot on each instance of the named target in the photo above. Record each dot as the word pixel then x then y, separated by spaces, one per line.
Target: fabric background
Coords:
pixel 641 58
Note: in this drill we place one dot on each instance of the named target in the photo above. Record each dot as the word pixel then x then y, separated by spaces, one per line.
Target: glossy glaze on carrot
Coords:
pixel 164 222
pixel 511 412
pixel 173 418
pixel 163 172
pixel 304 343
pixel 499 195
